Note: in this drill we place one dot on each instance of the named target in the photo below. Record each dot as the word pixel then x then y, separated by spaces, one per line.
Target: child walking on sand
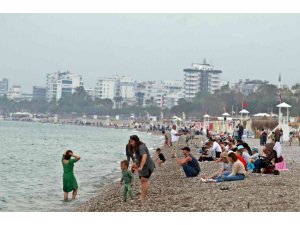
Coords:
pixel 127 177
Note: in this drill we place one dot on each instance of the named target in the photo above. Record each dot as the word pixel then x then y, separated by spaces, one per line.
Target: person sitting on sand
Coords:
pixel 189 164
pixel 127 177
pixel 266 164
pixel 226 166
pixel 207 153
pixel 238 171
pixel 239 154
pixel 160 157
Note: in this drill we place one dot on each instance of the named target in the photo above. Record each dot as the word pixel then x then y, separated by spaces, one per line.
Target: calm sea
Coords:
pixel 31 170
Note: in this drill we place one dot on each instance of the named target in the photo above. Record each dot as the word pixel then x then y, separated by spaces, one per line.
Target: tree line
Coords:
pixel 264 99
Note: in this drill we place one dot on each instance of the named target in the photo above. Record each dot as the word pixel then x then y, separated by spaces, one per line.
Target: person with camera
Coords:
pixel 189 163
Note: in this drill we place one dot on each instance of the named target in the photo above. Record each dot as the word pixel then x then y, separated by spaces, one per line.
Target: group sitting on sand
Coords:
pixel 236 157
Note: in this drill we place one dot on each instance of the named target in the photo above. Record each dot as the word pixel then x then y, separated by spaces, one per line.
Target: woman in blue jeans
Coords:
pixel 238 170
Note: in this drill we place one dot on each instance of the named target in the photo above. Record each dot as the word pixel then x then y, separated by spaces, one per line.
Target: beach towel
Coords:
pixel 281 166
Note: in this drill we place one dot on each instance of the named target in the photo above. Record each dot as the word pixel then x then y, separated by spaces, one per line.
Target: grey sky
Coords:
pixel 148 46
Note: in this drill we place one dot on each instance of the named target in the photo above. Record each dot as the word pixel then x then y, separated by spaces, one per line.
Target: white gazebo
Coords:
pixel 244 111
pixel 281 119
pixel 225 115
pixel 282 122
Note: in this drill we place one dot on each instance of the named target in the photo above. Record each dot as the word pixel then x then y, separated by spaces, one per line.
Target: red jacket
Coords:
pixel 243 161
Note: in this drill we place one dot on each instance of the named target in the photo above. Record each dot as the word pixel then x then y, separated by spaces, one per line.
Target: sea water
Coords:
pixel 31 169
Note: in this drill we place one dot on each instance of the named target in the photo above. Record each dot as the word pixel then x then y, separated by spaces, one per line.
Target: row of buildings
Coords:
pixel 200 77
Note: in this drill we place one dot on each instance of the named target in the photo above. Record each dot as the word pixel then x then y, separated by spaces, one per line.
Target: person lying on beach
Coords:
pixel 127 177
pixel 238 171
pixel 160 157
pixel 189 164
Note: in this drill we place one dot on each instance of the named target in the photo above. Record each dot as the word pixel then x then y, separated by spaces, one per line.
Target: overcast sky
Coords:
pixel 148 46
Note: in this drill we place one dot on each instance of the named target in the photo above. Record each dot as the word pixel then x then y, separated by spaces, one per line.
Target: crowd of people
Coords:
pixel 237 159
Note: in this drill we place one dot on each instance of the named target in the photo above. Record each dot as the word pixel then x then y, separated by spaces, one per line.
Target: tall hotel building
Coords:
pixel 62 83
pixel 202 77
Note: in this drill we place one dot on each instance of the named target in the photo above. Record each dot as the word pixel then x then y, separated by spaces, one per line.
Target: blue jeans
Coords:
pixel 190 171
pixel 226 177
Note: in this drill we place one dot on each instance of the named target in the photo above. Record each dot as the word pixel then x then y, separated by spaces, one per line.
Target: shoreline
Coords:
pixel 171 191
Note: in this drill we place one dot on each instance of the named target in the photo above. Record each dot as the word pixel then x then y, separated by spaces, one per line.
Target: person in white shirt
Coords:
pixel 278 149
pixel 216 148
pixel 174 139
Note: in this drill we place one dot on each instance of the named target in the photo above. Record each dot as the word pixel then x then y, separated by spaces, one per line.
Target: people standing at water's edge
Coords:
pixel 189 164
pixel 166 143
pixel 127 177
pixel 69 180
pixel 144 163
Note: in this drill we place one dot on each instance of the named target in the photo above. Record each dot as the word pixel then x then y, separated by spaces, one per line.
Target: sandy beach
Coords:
pixel 171 191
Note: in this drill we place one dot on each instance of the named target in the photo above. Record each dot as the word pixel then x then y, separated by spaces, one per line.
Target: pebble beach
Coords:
pixel 171 191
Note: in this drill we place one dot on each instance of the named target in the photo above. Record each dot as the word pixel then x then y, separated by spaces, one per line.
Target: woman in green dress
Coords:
pixel 69 180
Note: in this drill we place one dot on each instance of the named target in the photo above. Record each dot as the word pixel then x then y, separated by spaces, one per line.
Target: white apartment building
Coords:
pixel 200 77
pixel 15 93
pixel 127 87
pixel 111 87
pixel 173 85
pixel 108 87
pixel 171 100
pixel 62 83
pixel 160 93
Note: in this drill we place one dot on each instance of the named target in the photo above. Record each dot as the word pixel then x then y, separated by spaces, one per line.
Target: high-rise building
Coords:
pixel 38 93
pixel 201 77
pixel 3 86
pixel 60 84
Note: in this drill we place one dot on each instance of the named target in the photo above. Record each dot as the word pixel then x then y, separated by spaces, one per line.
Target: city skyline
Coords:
pixel 147 46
